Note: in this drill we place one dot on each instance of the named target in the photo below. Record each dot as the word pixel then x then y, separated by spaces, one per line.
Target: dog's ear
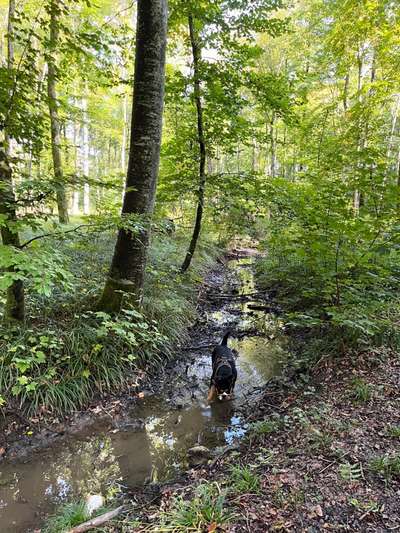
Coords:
pixel 212 393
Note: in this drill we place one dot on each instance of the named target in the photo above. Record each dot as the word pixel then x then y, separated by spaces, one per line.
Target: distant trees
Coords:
pixel 128 265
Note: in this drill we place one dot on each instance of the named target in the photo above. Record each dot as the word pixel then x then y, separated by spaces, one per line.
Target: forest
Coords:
pixel 173 171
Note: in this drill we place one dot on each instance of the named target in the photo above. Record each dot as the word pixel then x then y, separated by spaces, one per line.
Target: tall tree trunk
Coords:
pixel 15 301
pixel 75 194
pixel 62 204
pixel 196 51
pixel 85 158
pixel 273 146
pixel 128 265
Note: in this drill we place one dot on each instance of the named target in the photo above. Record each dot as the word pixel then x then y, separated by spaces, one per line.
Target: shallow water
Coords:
pixel 109 460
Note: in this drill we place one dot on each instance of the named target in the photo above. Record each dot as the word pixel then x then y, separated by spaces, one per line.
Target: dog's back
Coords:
pixel 224 372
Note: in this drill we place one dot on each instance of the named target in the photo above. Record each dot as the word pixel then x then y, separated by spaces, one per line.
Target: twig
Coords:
pixel 333 462
pixel 96 522
pixel 54 234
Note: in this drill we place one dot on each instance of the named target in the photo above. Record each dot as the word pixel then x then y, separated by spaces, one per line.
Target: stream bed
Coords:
pixel 152 441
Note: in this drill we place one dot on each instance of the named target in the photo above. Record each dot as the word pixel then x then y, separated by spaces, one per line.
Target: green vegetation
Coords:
pixel 206 509
pixel 68 516
pixel 284 129
pixel 264 427
pixel 360 390
pixel 393 431
pixel 243 479
pixel 73 351
pixel 388 466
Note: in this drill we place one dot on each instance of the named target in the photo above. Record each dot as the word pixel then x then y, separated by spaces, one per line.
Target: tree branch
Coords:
pixel 25 244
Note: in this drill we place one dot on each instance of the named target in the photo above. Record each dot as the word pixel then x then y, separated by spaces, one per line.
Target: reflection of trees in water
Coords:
pixel 77 470
pixel 85 467
pixel 259 357
pixel 172 434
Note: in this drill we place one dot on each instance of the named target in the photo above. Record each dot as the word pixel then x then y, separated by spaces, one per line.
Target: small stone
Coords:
pixel 198 455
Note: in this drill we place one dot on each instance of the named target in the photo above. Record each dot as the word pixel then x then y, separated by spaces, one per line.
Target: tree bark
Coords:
pixel 128 265
pixel 196 51
pixel 62 204
pixel 15 301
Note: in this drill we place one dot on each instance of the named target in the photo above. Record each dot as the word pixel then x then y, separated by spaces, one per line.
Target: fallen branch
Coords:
pixel 97 521
pixel 266 308
pixel 201 347
pixel 234 296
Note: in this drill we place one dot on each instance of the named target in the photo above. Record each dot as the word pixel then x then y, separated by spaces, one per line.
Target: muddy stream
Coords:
pixel 151 442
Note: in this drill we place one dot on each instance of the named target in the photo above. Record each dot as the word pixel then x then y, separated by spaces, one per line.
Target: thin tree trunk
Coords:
pixel 15 301
pixel 62 204
pixel 85 159
pixel 196 51
pixel 128 265
pixel 273 146
pixel 356 194
pixel 75 194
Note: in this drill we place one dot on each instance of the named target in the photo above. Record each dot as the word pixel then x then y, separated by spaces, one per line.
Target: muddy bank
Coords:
pixel 129 441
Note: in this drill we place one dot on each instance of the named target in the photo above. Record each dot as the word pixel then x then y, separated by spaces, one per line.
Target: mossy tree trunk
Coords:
pixel 61 196
pixel 196 52
pixel 127 272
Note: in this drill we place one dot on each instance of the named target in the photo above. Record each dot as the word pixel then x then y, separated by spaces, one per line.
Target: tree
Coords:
pixel 196 52
pixel 128 265
pixel 55 10
pixel 15 300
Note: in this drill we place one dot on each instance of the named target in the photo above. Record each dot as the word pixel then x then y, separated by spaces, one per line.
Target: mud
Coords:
pixel 147 441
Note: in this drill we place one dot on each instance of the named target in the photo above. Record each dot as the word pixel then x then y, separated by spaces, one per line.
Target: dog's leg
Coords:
pixel 212 393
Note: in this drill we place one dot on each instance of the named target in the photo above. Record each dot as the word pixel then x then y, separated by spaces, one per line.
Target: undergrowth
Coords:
pixel 69 351
pixel 205 511
pixel 338 295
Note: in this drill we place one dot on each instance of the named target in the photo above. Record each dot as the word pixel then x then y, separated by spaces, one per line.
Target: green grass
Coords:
pixel 244 480
pixel 361 391
pixel 207 508
pixel 264 427
pixel 67 516
pixel 388 466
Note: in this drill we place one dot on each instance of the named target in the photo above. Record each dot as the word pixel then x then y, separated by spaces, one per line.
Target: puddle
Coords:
pixel 107 461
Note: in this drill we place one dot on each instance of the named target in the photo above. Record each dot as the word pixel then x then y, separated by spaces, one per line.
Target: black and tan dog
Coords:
pixel 224 372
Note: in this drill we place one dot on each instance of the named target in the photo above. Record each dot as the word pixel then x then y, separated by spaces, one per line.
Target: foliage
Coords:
pixel 350 472
pixel 388 466
pixel 244 480
pixel 207 509
pixel 361 391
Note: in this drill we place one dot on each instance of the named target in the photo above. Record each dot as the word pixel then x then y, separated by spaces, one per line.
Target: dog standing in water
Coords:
pixel 224 372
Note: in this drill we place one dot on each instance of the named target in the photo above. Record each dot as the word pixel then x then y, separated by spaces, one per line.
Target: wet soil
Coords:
pixel 126 443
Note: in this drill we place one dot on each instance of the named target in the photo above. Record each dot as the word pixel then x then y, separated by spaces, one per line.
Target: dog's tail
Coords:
pixel 224 341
